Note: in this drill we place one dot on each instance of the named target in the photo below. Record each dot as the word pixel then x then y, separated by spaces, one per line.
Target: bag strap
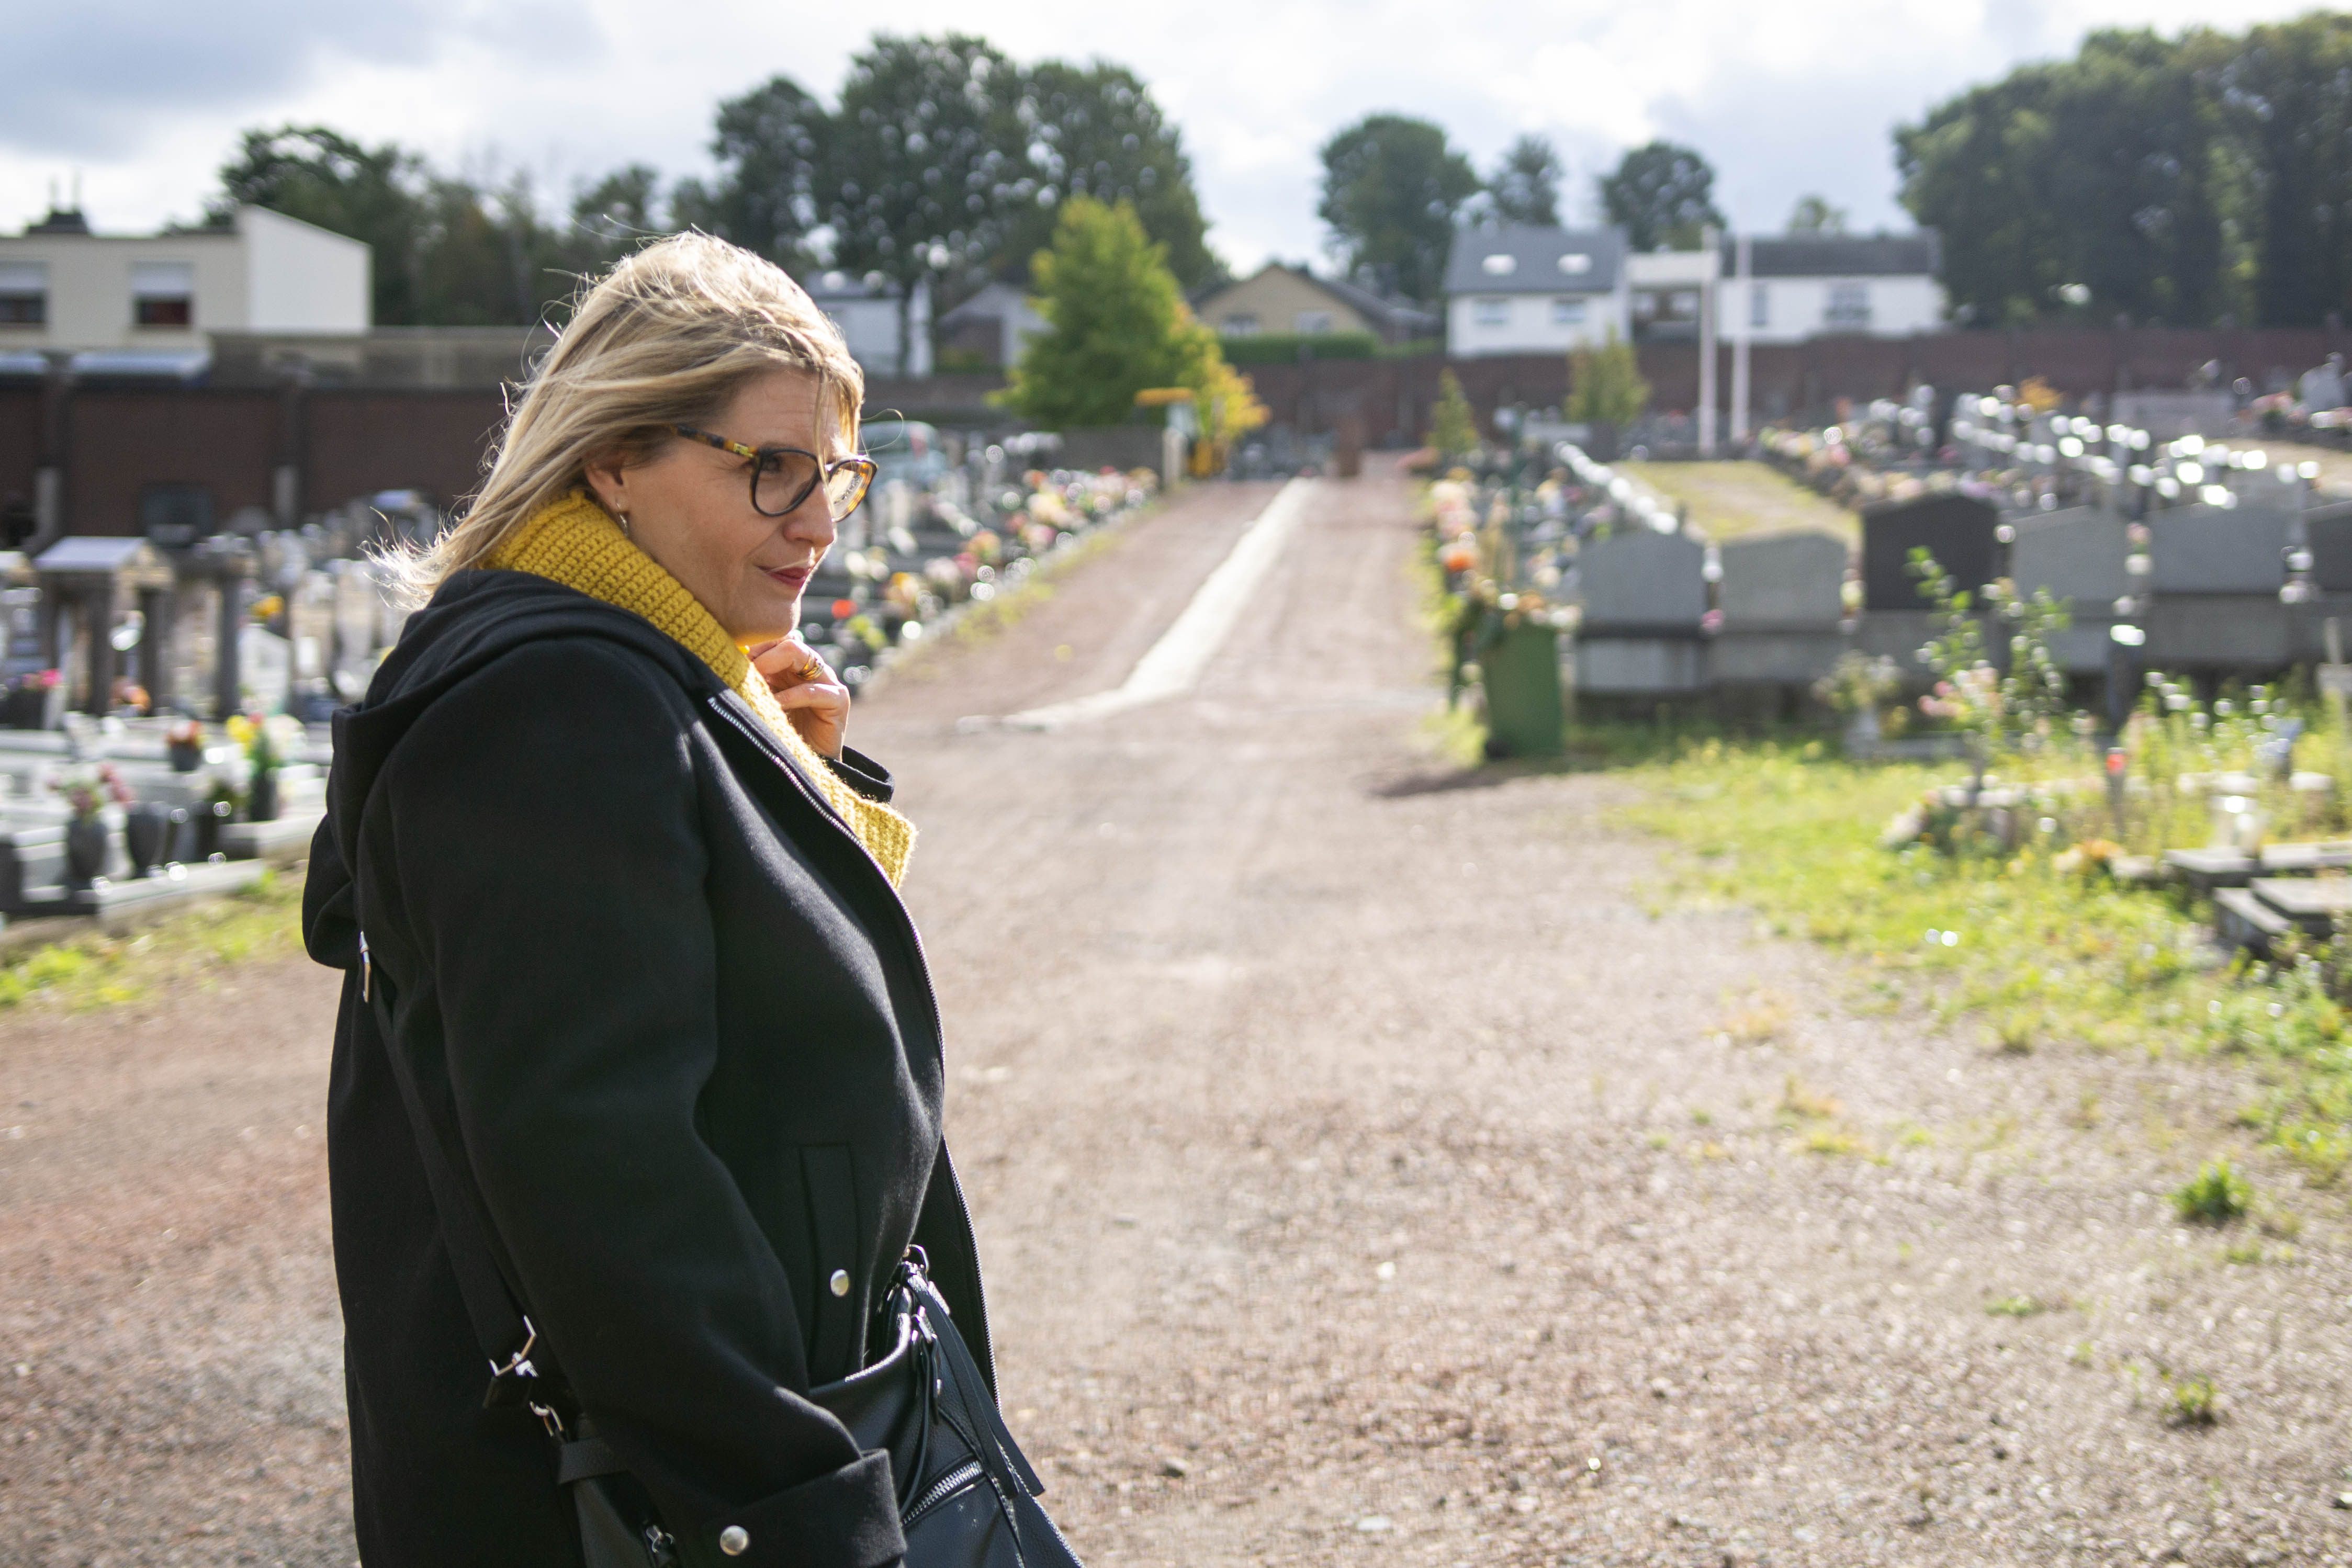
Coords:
pixel 501 1328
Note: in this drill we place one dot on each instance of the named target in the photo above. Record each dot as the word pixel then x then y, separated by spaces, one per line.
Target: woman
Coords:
pixel 632 905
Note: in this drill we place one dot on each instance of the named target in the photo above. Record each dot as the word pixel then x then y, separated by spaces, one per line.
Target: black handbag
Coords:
pixel 967 1496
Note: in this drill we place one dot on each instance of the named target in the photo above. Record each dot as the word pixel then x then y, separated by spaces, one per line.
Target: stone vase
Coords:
pixel 261 797
pixel 187 756
pixel 85 850
pixel 147 834
pixel 208 816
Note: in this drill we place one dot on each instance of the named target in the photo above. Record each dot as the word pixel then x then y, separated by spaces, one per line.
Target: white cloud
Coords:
pixel 144 98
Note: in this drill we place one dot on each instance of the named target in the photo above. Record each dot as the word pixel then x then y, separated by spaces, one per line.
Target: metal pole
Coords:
pixel 1706 342
pixel 1743 327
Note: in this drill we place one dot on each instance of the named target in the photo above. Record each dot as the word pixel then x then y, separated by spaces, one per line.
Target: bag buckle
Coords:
pixel 519 1365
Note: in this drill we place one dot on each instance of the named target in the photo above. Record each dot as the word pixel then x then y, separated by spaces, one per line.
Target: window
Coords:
pixel 1759 305
pixel 1683 305
pixel 162 293
pixel 1576 263
pixel 1240 326
pixel 1848 307
pixel 1493 312
pixel 1501 265
pixel 1311 321
pixel 24 293
pixel 1567 311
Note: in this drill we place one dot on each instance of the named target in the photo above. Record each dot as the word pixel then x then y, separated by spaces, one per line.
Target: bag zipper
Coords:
pixel 940 1491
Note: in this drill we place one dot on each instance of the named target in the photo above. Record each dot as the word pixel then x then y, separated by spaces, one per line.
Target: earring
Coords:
pixel 622 518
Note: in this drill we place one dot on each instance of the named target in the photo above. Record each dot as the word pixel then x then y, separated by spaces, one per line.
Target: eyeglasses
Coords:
pixel 782 477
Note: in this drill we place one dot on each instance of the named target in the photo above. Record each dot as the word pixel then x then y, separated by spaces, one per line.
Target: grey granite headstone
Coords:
pixel 2212 549
pixel 1957 531
pixel 1783 579
pixel 1638 579
pixel 2329 530
pixel 2077 554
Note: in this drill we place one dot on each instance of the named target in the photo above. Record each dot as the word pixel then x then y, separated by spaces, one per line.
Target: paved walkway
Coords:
pixel 1334 1125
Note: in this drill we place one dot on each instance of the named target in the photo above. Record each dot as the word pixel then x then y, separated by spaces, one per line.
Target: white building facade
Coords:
pixel 1518 289
pixel 1809 285
pixel 151 301
pixel 866 310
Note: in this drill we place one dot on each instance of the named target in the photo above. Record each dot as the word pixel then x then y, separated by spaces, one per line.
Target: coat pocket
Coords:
pixel 829 1181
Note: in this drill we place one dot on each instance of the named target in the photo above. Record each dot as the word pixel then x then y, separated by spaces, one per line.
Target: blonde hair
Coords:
pixel 668 337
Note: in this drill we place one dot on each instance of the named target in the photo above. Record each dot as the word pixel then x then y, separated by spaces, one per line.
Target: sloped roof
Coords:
pixel 1516 258
pixel 1840 255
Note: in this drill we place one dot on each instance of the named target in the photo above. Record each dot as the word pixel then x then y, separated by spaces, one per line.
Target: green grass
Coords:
pixel 2032 956
pixel 2015 1307
pixel 97 970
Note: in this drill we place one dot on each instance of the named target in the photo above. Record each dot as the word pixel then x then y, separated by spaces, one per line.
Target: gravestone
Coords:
pixel 1638 581
pixel 2328 530
pixel 2216 581
pixel 1782 597
pixel 2078 555
pixel 1644 595
pixel 1957 531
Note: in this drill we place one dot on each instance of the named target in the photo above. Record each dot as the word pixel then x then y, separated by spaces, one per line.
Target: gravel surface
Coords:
pixel 1334 1125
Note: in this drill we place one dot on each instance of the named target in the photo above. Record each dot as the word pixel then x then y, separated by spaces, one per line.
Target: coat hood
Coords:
pixel 475 619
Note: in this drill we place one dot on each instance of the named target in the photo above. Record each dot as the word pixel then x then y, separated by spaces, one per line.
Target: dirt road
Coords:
pixel 1363 1172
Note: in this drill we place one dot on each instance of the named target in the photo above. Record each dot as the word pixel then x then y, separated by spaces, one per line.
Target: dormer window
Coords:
pixel 1576 263
pixel 163 293
pixel 1500 266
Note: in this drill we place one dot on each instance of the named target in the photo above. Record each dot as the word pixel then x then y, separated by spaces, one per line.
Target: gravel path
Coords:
pixel 1334 1123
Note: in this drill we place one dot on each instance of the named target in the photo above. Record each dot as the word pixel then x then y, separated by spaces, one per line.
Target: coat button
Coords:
pixel 839 1284
pixel 734 1541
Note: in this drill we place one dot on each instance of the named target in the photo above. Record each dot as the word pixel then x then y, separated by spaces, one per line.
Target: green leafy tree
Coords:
pixel 1605 385
pixel 1096 131
pixel 1392 190
pixel 612 217
pixel 925 161
pixel 1661 196
pixel 771 144
pixel 1814 215
pixel 1526 186
pixel 2286 97
pixel 1453 427
pixel 1117 325
pixel 324 177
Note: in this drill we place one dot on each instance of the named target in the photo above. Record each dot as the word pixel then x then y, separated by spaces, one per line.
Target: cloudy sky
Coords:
pixel 143 99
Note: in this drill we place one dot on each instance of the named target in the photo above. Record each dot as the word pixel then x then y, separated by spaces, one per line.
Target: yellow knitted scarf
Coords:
pixel 576 543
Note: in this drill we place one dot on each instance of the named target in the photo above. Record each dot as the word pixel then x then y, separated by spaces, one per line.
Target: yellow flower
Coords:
pixel 240 729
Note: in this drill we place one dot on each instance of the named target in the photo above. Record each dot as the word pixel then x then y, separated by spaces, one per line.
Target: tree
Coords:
pixel 1391 189
pixel 771 144
pixel 324 177
pixel 1605 385
pixel 1453 427
pixel 1117 325
pixel 1661 196
pixel 2126 181
pixel 1095 130
pixel 1814 215
pixel 614 217
pixel 1526 186
pixel 925 161
pixel 2287 98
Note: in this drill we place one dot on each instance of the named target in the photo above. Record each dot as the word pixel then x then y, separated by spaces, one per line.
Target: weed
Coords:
pixel 1829 1141
pixel 2244 1252
pixel 1713 1151
pixel 1703 1118
pixel 2015 1032
pixel 2192 1402
pixel 2086 1113
pixel 1801 1104
pixel 2217 1195
pixel 2015 1307
pixel 2283 1223
pixel 2079 1353
pixel 1658 1140
pixel 1764 1019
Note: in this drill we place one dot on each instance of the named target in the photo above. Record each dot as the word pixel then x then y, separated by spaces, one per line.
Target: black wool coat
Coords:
pixel 679 1025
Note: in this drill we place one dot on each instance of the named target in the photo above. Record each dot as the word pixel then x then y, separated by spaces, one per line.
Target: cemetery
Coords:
pixel 165 736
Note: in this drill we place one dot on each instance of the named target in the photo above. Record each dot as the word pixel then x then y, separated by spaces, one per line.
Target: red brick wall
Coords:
pixel 121 441
pixel 358 442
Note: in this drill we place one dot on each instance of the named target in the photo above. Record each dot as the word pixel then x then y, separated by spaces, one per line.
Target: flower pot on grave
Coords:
pixel 36 707
pixel 209 817
pixel 261 797
pixel 147 834
pixel 85 850
pixel 187 756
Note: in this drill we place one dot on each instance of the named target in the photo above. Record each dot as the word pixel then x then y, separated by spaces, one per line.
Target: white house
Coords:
pixel 1518 289
pixel 866 310
pixel 996 323
pixel 150 303
pixel 1810 286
